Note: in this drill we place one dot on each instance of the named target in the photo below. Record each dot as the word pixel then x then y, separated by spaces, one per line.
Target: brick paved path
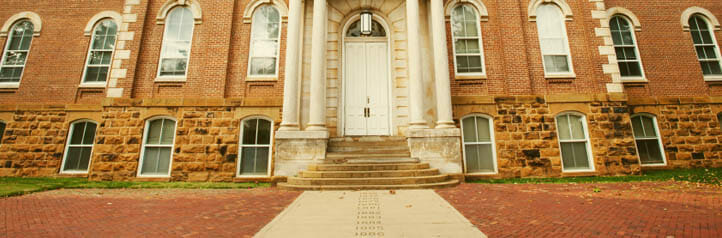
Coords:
pixel 141 213
pixel 658 209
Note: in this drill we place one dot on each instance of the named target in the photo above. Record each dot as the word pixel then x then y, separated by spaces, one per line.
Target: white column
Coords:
pixel 317 118
pixel 416 87
pixel 441 66
pixel 290 81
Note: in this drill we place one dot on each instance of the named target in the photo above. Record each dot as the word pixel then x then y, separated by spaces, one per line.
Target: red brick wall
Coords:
pixel 55 64
pixel 667 52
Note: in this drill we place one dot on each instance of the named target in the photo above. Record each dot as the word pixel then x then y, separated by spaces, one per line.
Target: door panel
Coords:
pixel 377 71
pixel 355 88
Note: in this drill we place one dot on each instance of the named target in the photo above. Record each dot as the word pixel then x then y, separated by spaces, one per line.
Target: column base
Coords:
pixel 445 125
pixel 316 127
pixel 418 125
pixel 441 148
pixel 295 150
pixel 289 127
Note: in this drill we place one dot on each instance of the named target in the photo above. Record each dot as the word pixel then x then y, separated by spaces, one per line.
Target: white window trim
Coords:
pixel 711 29
pixel 67 147
pixel 586 140
pixel 267 77
pixel 175 78
pixel 144 145
pixel 492 143
pixel 658 139
pixel 549 75
pixel 84 84
pixel 481 45
pixel 632 31
pixel 27 57
pixel 241 145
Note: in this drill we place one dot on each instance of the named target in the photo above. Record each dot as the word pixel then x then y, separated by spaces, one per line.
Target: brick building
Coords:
pixel 236 90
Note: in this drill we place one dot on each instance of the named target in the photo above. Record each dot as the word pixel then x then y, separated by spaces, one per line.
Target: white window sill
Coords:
pixel 470 76
pixel 170 79
pixel 560 76
pixel 261 78
pixel 654 165
pixel 482 173
pixel 153 176
pixel 634 80
pixel 9 85
pixel 73 172
pixel 574 171
pixel 92 85
pixel 713 78
pixel 251 176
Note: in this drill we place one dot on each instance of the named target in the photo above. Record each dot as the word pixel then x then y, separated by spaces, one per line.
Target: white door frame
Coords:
pixel 342 107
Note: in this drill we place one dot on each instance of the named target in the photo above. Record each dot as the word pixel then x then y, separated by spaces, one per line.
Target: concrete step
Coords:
pixel 448 183
pixel 336 155
pixel 367 167
pixel 369 149
pixel 368 139
pixel 369 174
pixel 368 181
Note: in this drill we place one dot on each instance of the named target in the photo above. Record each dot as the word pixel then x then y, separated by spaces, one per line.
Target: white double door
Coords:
pixel 366 87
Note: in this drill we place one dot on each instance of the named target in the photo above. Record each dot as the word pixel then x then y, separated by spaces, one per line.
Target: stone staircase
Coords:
pixel 356 163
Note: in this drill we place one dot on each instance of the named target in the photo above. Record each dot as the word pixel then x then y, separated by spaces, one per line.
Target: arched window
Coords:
pixel 468 48
pixel 255 149
pixel 176 43
pixel 79 147
pixel 705 45
pixel 377 30
pixel 265 42
pixel 2 131
pixel 100 52
pixel 646 135
pixel 553 40
pixel 16 52
pixel 625 45
pixel 158 141
pixel 479 150
pixel 574 142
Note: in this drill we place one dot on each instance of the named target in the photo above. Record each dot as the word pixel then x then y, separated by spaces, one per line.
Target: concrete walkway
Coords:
pixel 402 213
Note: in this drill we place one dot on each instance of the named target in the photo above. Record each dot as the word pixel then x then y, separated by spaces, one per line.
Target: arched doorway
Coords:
pixel 366 81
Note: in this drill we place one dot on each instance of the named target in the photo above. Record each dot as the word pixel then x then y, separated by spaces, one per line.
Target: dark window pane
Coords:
pixel 249 131
pixel 89 136
pixel 154 129
pixel 76 136
pixel 479 159
pixel 264 132
pixel 649 152
pixel 2 131
pixel 254 160
pixel 574 155
pixel 469 129
pixel 624 68
pixel 156 161
pixel 634 69
pixel 72 159
pixel 168 132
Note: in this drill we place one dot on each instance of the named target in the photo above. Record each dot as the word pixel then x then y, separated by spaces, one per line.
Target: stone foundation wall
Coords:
pixel 690 130
pixel 526 135
pixel 33 143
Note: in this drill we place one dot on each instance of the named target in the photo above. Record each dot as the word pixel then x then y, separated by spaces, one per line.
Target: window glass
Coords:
pixel 158 147
pixel 466 34
pixel 2 131
pixel 101 52
pixel 705 46
pixel 377 30
pixel 649 145
pixel 573 141
pixel 625 47
pixel 478 145
pixel 16 52
pixel 719 121
pixel 265 38
pixel 176 42
pixel 255 147
pixel 79 148
pixel 553 39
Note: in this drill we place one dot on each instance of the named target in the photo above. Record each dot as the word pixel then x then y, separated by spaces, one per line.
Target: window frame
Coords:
pixel 90 50
pixel 492 143
pixel 587 141
pixel 632 31
pixel 478 36
pixel 144 144
pixel 11 33
pixel 251 48
pixel 563 19
pixel 4 125
pixel 711 30
pixel 164 41
pixel 660 143
pixel 241 146
pixel 67 146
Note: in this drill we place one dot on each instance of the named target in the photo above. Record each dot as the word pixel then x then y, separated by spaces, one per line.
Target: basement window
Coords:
pixel 2 131
pixel 646 136
pixel 79 147
pixel 255 149
pixel 479 151
pixel 574 143
pixel 157 148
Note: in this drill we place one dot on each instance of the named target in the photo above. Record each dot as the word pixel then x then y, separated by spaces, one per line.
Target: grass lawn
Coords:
pixel 12 186
pixel 700 175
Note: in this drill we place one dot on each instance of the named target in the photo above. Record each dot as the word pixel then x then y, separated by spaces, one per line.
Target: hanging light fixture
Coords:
pixel 365 23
